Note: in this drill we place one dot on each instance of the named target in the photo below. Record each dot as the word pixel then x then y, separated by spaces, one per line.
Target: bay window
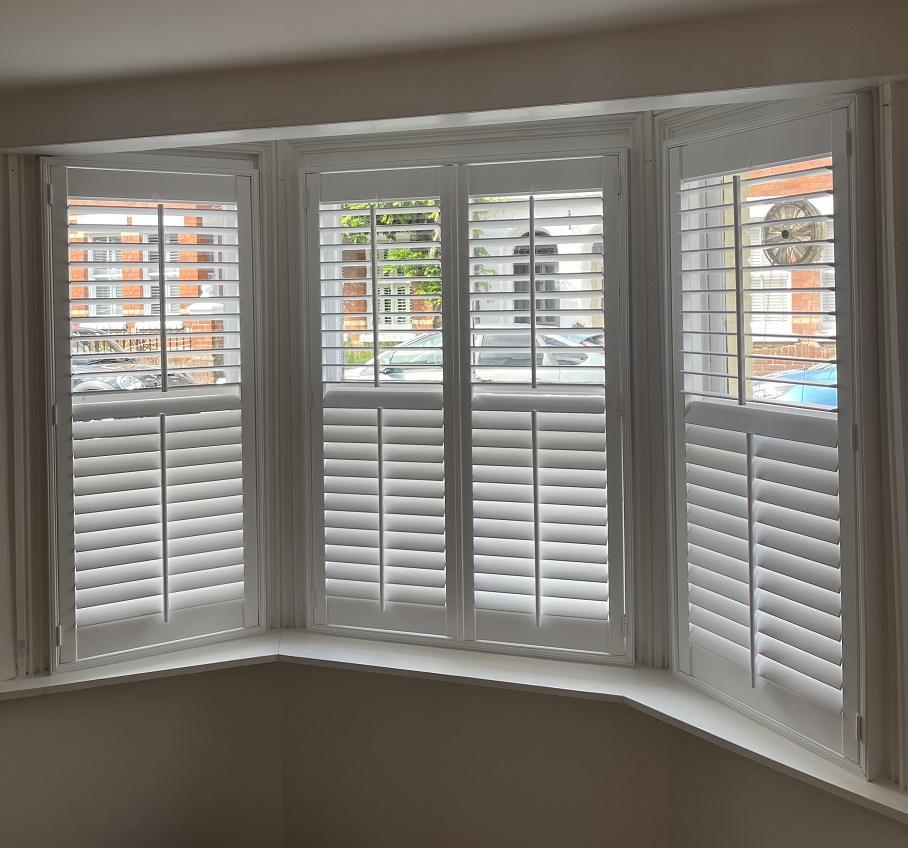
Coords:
pixel 466 362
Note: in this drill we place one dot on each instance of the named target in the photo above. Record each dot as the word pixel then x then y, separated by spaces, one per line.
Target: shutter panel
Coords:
pixel 382 410
pixel 540 520
pixel 545 380
pixel 156 529
pixel 762 374
pixel 384 490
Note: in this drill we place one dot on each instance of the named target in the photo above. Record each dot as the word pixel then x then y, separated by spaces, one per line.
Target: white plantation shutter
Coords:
pixel 462 390
pixel 381 466
pixel 766 499
pixel 544 398
pixel 155 440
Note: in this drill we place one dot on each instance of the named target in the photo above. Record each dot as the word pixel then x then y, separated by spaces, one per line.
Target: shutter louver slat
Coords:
pixel 784 675
pixel 722 644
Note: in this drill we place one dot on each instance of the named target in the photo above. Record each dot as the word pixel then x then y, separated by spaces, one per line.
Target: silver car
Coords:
pixel 499 356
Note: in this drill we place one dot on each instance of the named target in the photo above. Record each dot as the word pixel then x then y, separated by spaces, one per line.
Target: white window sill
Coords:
pixel 654 692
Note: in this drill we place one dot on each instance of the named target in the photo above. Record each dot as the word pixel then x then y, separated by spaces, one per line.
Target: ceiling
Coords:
pixel 59 41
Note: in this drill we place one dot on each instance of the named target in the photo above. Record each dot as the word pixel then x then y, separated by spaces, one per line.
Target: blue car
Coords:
pixel 814 386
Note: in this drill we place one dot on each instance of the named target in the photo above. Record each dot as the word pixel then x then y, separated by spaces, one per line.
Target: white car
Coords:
pixel 498 356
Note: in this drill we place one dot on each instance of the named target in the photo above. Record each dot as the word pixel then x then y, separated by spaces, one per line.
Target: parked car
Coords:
pixel 813 386
pixel 583 337
pixel 499 357
pixel 102 364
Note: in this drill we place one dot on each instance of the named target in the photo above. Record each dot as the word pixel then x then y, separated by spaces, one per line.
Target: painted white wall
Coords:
pixel 377 760
pixel 390 761
pixel 184 761
pixel 300 756
pixel 833 40
pixel 720 800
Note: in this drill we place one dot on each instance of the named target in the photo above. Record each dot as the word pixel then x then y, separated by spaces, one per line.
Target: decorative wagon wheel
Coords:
pixel 781 227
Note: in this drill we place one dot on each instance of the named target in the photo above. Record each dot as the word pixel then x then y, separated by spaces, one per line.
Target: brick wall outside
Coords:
pixel 808 347
pixel 134 288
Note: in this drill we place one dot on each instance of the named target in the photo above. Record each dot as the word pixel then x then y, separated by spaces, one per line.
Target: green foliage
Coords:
pixel 425 227
pixel 358 356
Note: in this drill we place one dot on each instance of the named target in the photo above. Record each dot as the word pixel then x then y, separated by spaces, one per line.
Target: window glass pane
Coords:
pixel 776 324
pixel 201 329
pixel 381 290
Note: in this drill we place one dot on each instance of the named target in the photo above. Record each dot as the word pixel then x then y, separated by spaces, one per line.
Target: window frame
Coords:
pixel 280 304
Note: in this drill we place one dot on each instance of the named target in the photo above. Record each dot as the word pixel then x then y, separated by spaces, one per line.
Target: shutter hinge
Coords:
pixel 305 198
pixel 859 728
pixel 309 398
pixel 618 183
pixel 312 597
pixel 848 142
pixel 50 194
pixel 53 415
pixel 621 405
pixel 624 625
pixel 58 636
pixel 854 437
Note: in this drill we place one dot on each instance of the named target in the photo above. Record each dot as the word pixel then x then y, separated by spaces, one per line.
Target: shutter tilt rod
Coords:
pixel 739 292
pixel 162 302
pixel 533 290
pixel 373 253
pixel 381 506
pixel 751 560
pixel 165 564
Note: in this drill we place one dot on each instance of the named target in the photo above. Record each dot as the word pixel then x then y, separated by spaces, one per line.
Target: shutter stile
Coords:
pixel 162 491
